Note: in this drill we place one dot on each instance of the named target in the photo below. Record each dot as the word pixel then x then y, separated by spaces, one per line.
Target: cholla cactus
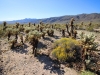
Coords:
pixel 75 34
pixel 50 32
pixel 4 23
pixel 21 38
pixel 15 33
pixel 72 20
pixel 8 33
pixel 21 29
pixel 82 23
pixel 88 42
pixel 88 45
pixel 52 26
pixel 12 43
pixel 72 26
pixel 26 38
pixel 29 24
pixel 82 35
pixel 63 33
pixel 41 23
pixel 34 24
pixel 90 23
pixel 43 34
pixel 68 29
pixel 35 33
pixel 17 25
pixel 33 40
pixel 41 29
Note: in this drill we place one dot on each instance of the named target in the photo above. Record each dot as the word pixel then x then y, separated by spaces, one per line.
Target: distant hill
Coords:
pixel 94 17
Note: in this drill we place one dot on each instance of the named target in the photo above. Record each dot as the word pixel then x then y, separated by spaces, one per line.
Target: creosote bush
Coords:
pixel 64 49
pixel 87 73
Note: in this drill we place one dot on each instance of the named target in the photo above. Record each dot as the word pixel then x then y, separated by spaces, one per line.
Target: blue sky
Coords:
pixel 20 9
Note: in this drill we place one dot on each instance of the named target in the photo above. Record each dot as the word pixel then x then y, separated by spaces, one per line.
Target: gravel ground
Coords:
pixel 22 62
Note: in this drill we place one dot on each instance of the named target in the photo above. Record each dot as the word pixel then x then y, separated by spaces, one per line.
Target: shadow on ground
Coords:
pixel 1 66
pixel 21 49
pixel 56 37
pixel 41 45
pixel 49 65
pixel 48 39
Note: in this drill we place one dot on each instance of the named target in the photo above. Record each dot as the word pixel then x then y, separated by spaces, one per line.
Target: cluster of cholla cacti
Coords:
pixel 31 32
pixel 70 49
pixel 66 49
pixel 89 47
pixel 88 26
pixel 82 51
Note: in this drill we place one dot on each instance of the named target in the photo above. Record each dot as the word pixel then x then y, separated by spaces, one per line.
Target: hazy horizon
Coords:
pixel 47 17
pixel 36 9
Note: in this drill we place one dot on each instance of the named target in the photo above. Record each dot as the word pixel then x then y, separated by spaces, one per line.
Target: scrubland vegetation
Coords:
pixel 75 50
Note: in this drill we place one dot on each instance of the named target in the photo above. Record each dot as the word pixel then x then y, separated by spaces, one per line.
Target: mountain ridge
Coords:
pixel 94 17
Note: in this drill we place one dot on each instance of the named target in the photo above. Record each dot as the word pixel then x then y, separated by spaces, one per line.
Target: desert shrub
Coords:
pixel 80 27
pixel 96 26
pixel 64 49
pixel 87 73
pixel 1 32
pixel 90 28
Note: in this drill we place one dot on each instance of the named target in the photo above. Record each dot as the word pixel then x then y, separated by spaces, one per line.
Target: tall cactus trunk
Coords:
pixel 9 34
pixel 68 30
pixel 16 36
pixel 29 24
pixel 83 55
pixel 72 28
pixel 63 33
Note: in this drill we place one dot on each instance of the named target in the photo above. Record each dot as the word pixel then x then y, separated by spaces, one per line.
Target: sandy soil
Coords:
pixel 22 61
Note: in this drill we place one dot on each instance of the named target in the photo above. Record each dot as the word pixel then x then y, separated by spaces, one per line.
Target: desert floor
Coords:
pixel 22 61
